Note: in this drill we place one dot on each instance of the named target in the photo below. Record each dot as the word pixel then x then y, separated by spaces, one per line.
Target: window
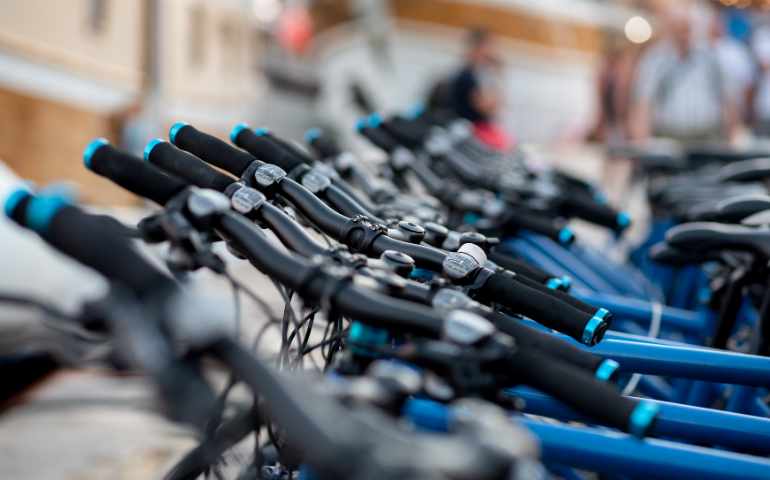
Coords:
pixel 231 46
pixel 197 39
pixel 97 15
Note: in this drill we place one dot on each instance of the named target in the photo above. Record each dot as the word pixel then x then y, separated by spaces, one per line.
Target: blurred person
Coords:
pixel 615 85
pixel 679 91
pixel 474 93
pixel 760 46
pixel 614 88
pixel 736 64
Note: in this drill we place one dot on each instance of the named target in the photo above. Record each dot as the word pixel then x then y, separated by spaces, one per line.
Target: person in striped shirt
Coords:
pixel 680 92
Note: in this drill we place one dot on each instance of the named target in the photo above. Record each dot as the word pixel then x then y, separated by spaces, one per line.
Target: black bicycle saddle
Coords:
pixel 703 237
pixel 733 210
pixel 746 171
pixel 665 254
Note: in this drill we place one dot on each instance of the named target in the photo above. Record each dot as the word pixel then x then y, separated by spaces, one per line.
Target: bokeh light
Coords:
pixel 638 29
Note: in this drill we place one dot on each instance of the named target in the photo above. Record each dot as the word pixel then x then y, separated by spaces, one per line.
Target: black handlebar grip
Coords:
pixel 567 298
pixel 323 146
pixel 582 391
pixel 290 149
pixel 585 207
pixel 544 309
pixel 87 239
pixel 529 337
pixel 538 224
pixel 410 133
pixel 264 148
pixel 530 271
pixel 210 149
pixel 378 137
pixel 184 165
pixel 130 172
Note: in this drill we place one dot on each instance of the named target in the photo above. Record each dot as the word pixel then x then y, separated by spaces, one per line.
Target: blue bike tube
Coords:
pixel 641 311
pixel 615 453
pixel 693 363
pixel 701 425
pixel 620 276
pixel 569 261
pixel 741 399
pixel 686 362
pixel 536 257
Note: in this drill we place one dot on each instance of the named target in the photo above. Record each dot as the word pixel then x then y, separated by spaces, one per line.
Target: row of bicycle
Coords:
pixel 466 333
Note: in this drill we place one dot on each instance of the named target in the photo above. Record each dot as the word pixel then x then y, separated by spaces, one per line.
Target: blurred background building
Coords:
pixel 127 70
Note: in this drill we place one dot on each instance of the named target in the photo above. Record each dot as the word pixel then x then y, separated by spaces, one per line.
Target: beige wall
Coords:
pixel 44 141
pixel 43 130
pixel 208 51
pixel 61 33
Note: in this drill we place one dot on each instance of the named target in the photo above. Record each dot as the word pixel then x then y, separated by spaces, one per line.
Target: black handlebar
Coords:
pixel 171 159
pixel 323 146
pixel 130 172
pixel 578 389
pixel 210 149
pixel 87 239
pixel 264 148
pixel 544 309
pixel 312 284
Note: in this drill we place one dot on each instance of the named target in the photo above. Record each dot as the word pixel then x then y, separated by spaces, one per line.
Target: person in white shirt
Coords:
pixel 679 91
pixel 760 46
pixel 736 64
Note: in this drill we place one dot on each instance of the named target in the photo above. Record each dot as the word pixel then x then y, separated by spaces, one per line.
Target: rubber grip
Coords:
pixel 322 145
pixel 289 148
pixel 538 224
pixel 529 337
pixel 265 149
pixel 192 169
pixel 87 239
pixel 564 297
pixel 410 133
pixel 543 308
pixel 211 149
pixel 131 172
pixel 586 208
pixel 521 268
pixel 579 390
pixel 380 138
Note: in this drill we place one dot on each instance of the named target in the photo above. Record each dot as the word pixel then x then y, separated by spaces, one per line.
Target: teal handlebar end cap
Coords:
pixel 17 195
pixel 375 120
pixel 624 219
pixel 566 236
pixel 312 134
pixel 41 211
pixel 359 124
pixel 236 130
pixel 262 130
pixel 607 369
pixel 642 418
pixel 414 109
pixel 594 331
pixel 91 148
pixel 149 147
pixel 172 133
